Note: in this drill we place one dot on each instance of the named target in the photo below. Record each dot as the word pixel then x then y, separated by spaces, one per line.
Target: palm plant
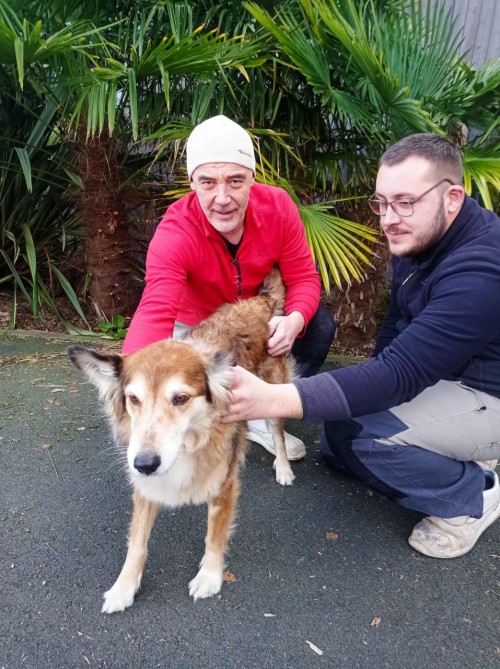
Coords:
pixel 112 91
pixel 376 85
pixel 377 71
pixel 105 86
pixel 286 122
pixel 37 219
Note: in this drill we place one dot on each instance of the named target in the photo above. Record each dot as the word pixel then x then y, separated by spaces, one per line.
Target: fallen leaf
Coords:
pixel 317 650
pixel 376 622
pixel 229 577
pixel 332 536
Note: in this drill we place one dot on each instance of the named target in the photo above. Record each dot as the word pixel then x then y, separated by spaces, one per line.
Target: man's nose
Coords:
pixel 390 217
pixel 222 192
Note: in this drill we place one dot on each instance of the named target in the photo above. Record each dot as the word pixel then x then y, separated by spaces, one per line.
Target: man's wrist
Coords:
pixel 286 401
pixel 297 320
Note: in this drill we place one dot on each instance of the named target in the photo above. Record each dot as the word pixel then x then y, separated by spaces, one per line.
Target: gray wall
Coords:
pixel 481 23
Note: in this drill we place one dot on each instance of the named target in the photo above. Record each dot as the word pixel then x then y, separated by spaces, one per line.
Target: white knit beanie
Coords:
pixel 219 140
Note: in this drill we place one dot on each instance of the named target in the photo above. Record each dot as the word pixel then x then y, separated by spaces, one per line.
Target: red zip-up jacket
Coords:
pixel 190 272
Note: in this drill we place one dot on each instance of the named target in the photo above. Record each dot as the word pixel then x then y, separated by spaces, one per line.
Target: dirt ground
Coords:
pixel 47 320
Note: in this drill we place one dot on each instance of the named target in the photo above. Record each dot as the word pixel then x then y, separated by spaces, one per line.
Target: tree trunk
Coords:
pixel 106 221
pixel 359 309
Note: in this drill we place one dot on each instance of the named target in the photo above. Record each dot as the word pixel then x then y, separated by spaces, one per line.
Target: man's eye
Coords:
pixel 404 204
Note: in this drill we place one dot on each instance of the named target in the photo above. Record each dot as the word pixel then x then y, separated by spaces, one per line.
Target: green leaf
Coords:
pixel 13 309
pixel 32 264
pixel 132 93
pixel 19 51
pixel 70 293
pixel 18 281
pixel 23 156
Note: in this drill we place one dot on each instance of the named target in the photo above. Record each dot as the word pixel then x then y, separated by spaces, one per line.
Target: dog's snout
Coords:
pixel 147 464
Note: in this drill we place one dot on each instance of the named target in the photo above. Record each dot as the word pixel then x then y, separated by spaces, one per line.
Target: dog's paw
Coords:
pixel 117 599
pixel 285 475
pixel 205 584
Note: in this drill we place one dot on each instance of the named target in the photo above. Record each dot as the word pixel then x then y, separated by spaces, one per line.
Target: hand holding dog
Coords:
pixel 253 398
pixel 283 331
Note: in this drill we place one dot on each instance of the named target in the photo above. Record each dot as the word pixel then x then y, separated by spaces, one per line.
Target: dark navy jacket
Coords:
pixel 443 322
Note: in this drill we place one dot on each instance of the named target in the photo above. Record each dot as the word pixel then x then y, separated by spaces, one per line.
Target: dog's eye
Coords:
pixel 133 399
pixel 179 399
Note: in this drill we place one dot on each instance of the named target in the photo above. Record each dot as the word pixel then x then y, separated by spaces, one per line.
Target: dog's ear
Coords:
pixel 103 370
pixel 219 371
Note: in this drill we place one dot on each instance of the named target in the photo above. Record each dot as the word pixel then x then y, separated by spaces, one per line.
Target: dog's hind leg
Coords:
pixel 221 513
pixel 284 473
pixel 121 595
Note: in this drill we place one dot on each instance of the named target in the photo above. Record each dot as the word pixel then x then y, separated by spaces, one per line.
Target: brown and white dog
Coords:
pixel 164 404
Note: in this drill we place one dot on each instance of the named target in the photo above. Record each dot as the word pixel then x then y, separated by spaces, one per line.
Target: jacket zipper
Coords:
pixel 236 263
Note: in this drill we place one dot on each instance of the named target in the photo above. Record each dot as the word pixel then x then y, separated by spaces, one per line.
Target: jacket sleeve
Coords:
pixel 165 279
pixel 459 320
pixel 301 279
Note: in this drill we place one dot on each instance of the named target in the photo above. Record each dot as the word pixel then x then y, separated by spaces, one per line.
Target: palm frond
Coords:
pixel 338 245
pixel 482 172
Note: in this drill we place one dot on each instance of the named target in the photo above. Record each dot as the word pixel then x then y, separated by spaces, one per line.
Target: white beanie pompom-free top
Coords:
pixel 219 140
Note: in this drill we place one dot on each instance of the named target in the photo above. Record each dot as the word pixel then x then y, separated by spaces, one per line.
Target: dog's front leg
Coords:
pixel 122 593
pixel 221 512
pixel 284 473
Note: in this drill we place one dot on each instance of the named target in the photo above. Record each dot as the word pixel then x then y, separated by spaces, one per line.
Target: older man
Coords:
pixel 420 421
pixel 217 245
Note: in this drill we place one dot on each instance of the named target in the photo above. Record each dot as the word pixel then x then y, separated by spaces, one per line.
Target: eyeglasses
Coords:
pixel 400 207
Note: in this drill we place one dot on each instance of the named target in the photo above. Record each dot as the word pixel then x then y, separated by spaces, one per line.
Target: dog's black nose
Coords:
pixel 147 464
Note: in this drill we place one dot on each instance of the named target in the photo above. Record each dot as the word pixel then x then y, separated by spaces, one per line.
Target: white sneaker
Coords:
pixel 487 464
pixel 452 537
pixel 295 449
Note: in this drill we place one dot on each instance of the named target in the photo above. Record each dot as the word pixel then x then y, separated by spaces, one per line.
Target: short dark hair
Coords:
pixel 444 156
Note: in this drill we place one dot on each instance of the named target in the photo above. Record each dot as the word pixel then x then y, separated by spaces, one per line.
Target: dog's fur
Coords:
pixel 164 404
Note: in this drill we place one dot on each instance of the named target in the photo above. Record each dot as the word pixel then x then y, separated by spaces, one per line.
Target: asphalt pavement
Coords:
pixel 319 574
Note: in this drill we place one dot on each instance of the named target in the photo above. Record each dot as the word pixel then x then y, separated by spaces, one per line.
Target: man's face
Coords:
pixel 223 190
pixel 432 215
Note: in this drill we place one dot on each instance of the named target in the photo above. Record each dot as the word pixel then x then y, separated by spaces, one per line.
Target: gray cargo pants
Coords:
pixel 421 454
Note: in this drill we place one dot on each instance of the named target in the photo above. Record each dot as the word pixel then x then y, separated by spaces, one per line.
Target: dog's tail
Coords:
pixel 274 290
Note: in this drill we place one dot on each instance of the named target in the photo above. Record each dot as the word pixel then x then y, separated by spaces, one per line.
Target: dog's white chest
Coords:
pixel 177 486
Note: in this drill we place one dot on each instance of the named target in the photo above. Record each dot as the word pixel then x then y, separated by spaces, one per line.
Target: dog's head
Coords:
pixel 163 399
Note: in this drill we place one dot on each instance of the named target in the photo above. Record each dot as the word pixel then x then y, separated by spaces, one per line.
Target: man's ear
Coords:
pixel 456 196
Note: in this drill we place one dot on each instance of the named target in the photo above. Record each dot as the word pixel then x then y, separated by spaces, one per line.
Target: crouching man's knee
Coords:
pixel 336 443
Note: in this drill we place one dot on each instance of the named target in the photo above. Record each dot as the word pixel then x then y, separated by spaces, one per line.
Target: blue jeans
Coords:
pixel 310 351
